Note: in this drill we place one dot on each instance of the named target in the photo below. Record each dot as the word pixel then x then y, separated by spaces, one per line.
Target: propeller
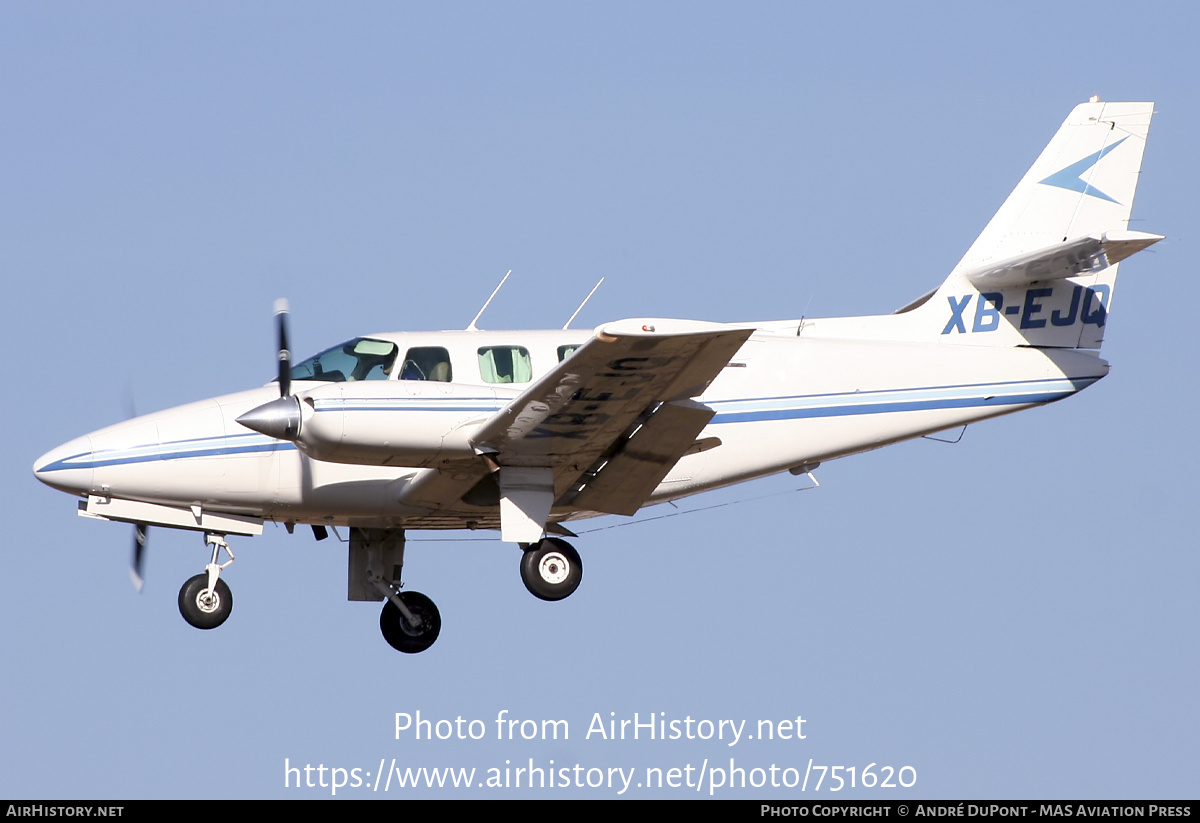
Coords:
pixel 285 355
pixel 141 534
pixel 281 417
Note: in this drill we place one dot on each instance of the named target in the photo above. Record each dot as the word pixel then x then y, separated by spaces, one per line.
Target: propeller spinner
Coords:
pixel 279 418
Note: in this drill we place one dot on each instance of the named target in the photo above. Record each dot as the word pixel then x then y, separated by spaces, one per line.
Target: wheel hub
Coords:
pixel 419 629
pixel 208 601
pixel 554 568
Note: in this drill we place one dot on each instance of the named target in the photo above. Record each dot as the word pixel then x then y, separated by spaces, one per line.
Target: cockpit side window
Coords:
pixel 358 359
pixel 427 363
pixel 505 364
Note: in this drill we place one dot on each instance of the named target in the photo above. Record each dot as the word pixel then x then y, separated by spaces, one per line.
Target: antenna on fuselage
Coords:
pixel 584 303
pixel 488 303
pixel 804 314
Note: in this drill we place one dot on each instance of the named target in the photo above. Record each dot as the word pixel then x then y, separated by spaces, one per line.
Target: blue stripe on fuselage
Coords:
pixel 748 410
pixel 751 416
pixel 1014 392
pixel 166 451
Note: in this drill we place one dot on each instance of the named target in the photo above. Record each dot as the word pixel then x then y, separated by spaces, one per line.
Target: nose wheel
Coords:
pixel 205 600
pixel 551 569
pixel 204 607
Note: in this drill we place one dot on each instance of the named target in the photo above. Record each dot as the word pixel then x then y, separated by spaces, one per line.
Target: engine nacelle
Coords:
pixel 380 423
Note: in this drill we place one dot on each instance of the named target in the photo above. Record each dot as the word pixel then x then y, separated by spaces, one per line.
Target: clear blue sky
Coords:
pixel 1012 616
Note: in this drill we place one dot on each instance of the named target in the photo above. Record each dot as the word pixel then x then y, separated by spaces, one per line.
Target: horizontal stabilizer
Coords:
pixel 1084 255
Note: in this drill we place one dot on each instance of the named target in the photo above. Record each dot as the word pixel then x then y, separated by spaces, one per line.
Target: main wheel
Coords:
pixel 551 569
pixel 203 608
pixel 406 638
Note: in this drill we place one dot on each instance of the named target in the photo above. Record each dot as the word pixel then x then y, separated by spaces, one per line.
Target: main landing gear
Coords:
pixel 551 569
pixel 205 600
pixel 410 622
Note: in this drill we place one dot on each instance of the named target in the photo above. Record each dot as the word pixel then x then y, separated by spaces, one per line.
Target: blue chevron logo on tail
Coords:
pixel 1071 178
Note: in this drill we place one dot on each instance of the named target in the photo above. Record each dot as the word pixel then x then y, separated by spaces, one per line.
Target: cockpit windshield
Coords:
pixel 358 359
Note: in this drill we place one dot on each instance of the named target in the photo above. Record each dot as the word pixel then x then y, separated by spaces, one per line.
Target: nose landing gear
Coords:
pixel 205 600
pixel 204 607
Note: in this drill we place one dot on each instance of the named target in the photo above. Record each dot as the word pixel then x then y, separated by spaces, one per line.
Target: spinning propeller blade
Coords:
pixel 141 534
pixel 285 355
pixel 281 417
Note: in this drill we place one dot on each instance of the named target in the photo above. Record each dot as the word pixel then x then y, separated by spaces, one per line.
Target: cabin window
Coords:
pixel 427 363
pixel 357 359
pixel 505 364
pixel 566 351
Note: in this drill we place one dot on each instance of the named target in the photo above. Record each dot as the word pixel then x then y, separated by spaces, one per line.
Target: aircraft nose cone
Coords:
pixel 280 418
pixel 67 468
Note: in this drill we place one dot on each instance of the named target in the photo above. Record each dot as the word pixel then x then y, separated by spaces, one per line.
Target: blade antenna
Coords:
pixel 804 314
pixel 584 303
pixel 472 327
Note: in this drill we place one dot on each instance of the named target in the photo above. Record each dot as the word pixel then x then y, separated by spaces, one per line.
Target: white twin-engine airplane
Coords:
pixel 526 431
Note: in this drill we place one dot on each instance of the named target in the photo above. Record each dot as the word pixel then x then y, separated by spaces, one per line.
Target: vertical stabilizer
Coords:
pixel 1082 184
pixel 1042 272
pixel 1044 269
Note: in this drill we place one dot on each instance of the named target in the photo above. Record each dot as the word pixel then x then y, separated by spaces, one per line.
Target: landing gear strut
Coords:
pixel 205 600
pixel 551 569
pixel 409 621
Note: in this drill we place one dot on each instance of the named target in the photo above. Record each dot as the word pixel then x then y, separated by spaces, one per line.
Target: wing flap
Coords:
pixel 640 462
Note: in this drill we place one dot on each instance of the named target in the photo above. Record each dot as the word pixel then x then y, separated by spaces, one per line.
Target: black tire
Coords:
pixel 551 569
pixel 399 634
pixel 201 610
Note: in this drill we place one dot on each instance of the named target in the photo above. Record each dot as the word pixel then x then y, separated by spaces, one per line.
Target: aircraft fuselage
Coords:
pixel 784 401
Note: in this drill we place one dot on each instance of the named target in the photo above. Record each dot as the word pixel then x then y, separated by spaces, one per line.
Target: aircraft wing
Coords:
pixel 597 433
